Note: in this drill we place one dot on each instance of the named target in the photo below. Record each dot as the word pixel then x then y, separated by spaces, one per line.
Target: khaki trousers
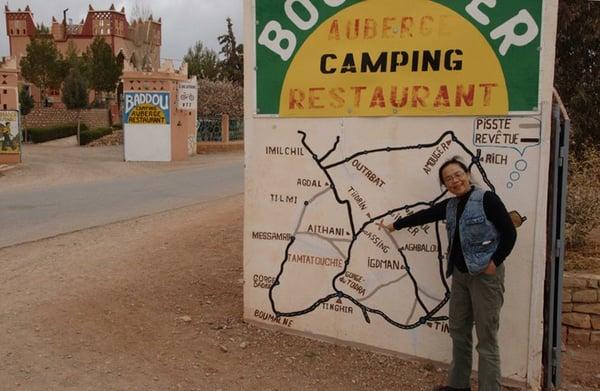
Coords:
pixel 476 299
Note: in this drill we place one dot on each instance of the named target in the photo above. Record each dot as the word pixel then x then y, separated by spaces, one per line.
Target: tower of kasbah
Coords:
pixel 138 42
pixel 122 36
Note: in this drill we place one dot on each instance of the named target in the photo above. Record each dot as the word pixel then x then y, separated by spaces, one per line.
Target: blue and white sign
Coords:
pixel 145 108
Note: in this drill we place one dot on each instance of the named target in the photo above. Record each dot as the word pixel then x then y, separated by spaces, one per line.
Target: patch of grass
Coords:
pixel 311 354
pixel 40 135
pixel 583 259
pixel 90 135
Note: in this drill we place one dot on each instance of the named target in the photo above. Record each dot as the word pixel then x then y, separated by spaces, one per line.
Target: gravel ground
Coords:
pixel 155 303
pixel 63 162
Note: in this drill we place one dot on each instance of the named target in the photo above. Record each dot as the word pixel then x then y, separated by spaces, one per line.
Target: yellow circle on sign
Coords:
pixel 394 57
pixel 147 114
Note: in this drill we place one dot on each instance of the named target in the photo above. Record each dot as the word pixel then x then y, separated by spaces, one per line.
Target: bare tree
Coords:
pixel 578 67
pixel 145 53
pixel 140 11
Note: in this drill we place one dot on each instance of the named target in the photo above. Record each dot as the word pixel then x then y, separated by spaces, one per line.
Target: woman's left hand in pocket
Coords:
pixel 490 270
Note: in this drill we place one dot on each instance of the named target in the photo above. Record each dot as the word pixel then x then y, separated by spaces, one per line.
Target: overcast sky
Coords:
pixel 183 21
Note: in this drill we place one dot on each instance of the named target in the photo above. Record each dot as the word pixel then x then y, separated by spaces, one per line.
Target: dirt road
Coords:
pixel 155 303
pixel 60 162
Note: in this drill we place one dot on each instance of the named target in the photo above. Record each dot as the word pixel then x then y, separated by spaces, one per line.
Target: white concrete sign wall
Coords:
pixel 146 126
pixel 320 185
pixel 147 143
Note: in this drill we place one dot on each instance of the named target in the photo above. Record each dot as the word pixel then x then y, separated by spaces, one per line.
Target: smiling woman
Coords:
pixel 481 235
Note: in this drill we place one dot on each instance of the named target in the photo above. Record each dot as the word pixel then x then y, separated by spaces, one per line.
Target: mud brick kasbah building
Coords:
pixel 110 24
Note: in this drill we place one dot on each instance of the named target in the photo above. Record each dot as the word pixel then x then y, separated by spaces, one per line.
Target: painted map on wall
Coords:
pixel 317 258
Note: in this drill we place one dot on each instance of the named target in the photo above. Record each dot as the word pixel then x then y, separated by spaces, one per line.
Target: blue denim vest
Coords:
pixel 478 236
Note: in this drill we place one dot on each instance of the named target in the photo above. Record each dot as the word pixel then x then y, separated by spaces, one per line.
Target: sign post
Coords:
pixel 147 126
pixel 351 106
pixel 10 136
pixel 187 95
pixel 187 101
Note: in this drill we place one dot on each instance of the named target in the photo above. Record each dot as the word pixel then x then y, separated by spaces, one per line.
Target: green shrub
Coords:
pixel 40 135
pixel 117 126
pixel 90 135
pixel 25 101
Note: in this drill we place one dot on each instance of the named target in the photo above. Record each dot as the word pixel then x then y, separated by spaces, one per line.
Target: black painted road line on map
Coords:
pixel 430 314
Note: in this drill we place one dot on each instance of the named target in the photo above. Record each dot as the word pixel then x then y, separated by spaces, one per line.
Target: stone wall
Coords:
pixel 42 117
pixel 581 309
pixel 205 147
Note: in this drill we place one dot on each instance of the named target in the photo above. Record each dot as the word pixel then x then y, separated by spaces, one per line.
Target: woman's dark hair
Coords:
pixel 453 160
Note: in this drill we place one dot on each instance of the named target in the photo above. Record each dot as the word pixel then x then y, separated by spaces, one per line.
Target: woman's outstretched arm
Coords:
pixel 425 216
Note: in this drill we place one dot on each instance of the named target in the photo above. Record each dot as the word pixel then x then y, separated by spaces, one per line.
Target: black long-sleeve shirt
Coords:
pixel 496 213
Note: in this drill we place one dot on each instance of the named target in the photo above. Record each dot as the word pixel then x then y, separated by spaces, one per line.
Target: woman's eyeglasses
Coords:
pixel 457 175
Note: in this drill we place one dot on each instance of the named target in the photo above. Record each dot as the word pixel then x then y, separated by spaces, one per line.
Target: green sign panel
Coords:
pixel 336 58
